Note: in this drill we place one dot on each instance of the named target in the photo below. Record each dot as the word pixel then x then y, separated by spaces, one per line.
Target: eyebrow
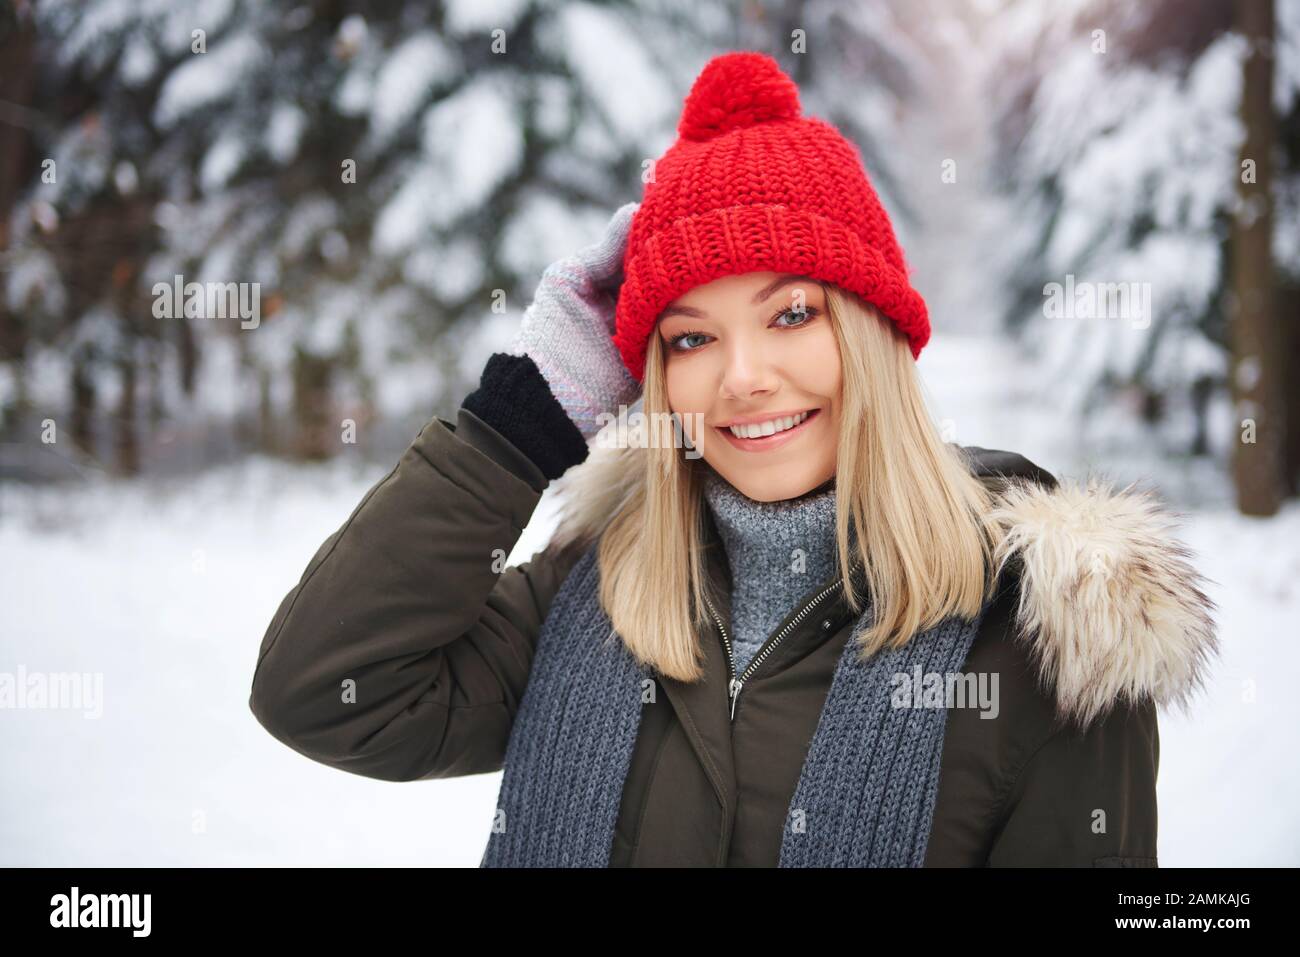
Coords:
pixel 761 296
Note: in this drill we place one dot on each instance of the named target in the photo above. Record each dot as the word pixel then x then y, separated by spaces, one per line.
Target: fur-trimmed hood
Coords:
pixel 1111 607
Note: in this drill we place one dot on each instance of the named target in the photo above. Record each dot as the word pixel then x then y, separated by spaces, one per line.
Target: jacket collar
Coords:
pixel 1110 606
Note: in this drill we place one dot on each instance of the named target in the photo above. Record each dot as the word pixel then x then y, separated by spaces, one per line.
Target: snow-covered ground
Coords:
pixel 166 591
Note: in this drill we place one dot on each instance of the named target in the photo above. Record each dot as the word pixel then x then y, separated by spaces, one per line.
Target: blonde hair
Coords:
pixel 923 523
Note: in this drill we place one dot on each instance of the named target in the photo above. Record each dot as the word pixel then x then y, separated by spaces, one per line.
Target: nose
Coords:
pixel 749 369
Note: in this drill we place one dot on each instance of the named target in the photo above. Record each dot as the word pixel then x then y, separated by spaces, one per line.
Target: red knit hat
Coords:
pixel 751 185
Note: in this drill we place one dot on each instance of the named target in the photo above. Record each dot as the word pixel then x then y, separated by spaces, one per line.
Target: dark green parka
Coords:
pixel 1098 621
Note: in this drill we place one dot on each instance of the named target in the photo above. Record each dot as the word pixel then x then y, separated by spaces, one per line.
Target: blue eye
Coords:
pixel 805 316
pixel 679 337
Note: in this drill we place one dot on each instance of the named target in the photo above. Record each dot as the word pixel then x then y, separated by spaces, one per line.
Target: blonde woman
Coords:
pixel 782 623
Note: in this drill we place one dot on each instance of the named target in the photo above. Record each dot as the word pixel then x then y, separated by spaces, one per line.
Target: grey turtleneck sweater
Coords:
pixel 778 553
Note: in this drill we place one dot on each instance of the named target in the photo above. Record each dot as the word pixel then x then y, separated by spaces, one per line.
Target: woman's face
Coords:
pixel 756 349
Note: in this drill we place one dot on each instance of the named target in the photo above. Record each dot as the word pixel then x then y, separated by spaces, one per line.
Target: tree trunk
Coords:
pixel 1256 344
pixel 17 80
pixel 266 434
pixel 316 434
pixel 82 426
pixel 1289 305
pixel 187 349
pixel 128 445
pixel 157 408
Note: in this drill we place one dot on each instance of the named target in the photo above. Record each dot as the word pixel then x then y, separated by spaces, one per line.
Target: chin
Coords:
pixel 775 489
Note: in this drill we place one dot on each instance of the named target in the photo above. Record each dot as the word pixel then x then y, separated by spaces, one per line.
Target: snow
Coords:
pixel 551 113
pixel 1230 769
pixel 80 166
pixel 474 141
pixel 32 275
pixel 219 369
pixel 406 217
pixel 207 78
pixel 355 92
pixel 284 131
pixel 408 74
pixel 47 377
pixel 1286 62
pixel 471 141
pixel 222 161
pixel 462 17
pixel 306 221
pixel 605 54
pixel 89 24
pixel 451 272
pixel 544 229
pixel 180 19
pixel 139 61
pixel 177 586
pixel 176 583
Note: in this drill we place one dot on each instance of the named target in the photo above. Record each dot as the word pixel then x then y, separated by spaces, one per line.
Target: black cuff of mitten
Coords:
pixel 514 398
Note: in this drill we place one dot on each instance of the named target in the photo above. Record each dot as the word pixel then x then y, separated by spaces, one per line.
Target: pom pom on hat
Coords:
pixel 735 90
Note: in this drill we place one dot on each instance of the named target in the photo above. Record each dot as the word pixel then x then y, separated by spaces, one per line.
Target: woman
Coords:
pixel 685 675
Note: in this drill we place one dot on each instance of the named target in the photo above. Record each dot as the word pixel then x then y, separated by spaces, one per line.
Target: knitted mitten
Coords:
pixel 513 398
pixel 568 329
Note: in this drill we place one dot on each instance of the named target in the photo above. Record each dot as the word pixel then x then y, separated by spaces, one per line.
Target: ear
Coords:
pixel 1110 604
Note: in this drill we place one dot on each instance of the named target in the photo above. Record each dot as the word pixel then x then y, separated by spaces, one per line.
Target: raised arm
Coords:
pixel 404 649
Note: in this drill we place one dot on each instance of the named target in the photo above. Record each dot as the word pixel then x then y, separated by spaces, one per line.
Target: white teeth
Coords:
pixel 760 429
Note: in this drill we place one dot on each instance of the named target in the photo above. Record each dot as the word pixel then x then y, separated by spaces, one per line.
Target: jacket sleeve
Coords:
pixel 404 649
pixel 1086 798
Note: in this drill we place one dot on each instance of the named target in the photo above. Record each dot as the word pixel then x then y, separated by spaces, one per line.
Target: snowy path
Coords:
pixel 167 593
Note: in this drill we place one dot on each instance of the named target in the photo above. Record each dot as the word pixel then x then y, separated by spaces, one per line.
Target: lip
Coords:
pixel 764 417
pixel 769 442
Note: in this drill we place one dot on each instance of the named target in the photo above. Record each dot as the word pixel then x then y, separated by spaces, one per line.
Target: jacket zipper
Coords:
pixel 738 682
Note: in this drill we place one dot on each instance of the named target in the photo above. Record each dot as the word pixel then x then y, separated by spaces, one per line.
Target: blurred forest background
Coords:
pixel 395 176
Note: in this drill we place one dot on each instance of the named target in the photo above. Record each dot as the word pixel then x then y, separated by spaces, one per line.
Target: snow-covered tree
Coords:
pixel 393 177
pixel 1118 132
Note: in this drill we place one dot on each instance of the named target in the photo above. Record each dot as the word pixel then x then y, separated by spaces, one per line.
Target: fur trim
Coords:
pixel 1110 603
pixel 592 493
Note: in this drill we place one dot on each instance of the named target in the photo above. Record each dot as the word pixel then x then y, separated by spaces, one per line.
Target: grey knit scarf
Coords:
pixel 865 796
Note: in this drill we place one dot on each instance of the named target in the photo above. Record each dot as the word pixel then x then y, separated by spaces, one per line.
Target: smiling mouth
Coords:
pixel 758 442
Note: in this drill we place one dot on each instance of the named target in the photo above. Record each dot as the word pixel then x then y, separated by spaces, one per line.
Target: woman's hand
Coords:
pixel 568 329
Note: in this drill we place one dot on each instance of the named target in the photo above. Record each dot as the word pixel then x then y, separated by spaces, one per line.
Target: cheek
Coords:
pixel 816 362
pixel 687 387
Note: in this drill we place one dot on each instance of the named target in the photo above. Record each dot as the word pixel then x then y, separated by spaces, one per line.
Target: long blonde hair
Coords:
pixel 922 522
